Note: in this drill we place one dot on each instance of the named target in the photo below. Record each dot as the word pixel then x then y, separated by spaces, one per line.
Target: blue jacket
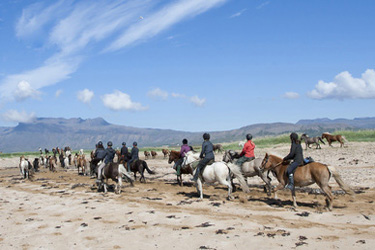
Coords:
pixel 100 153
pixel 109 155
pixel 134 154
pixel 207 150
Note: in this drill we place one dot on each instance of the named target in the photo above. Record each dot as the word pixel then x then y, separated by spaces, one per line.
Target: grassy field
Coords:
pixel 263 142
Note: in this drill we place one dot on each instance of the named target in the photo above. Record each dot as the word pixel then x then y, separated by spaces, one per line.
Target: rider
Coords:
pixel 133 154
pixel 124 151
pixel 109 155
pixel 184 149
pixel 296 155
pixel 247 153
pixel 100 154
pixel 207 153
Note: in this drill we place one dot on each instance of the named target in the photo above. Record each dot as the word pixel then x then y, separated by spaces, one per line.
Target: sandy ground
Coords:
pixel 63 210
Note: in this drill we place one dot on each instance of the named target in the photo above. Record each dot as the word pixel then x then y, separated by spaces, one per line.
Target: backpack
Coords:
pixel 308 160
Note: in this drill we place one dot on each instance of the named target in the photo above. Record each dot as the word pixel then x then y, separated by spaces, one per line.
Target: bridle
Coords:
pixel 265 161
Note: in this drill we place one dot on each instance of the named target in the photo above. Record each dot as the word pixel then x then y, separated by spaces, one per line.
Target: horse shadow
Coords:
pixel 192 195
pixel 272 202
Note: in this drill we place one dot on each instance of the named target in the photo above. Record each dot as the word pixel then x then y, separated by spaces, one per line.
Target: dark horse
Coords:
pixel 175 156
pixel 218 148
pixel 312 140
pixel 137 166
pixel 331 138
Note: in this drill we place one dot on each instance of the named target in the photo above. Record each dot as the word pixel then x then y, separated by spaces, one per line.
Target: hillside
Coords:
pixel 84 133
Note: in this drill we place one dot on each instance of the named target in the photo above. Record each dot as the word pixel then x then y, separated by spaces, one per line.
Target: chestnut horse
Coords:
pixel 147 154
pixel 165 152
pixel 154 154
pixel 81 164
pixel 331 138
pixel 175 156
pixel 306 175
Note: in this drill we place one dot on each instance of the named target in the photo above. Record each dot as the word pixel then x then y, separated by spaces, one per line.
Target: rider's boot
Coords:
pixel 290 185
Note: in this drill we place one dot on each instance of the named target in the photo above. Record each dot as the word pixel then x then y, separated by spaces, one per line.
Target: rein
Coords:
pixel 262 168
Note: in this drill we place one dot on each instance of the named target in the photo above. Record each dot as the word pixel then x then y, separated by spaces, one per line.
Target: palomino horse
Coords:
pixel 250 169
pixel 331 138
pixel 173 157
pixel 52 162
pixel 81 164
pixel 147 154
pixel 153 154
pixel 165 152
pixel 312 140
pixel 306 175
pixel 216 172
pixel 24 167
pixel 114 171
pixel 218 148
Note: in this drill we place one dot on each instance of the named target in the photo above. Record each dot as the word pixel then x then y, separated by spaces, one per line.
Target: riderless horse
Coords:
pixel 165 152
pixel 216 172
pixel 147 154
pixel 175 156
pixel 332 138
pixel 153 154
pixel 137 166
pixel 306 175
pixel 218 148
pixel 114 171
pixel 24 167
pixel 312 140
pixel 250 168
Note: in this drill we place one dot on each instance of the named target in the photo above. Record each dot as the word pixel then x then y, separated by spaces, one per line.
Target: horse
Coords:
pixel 52 162
pixel 81 163
pixel 173 157
pixel 218 148
pixel 306 175
pixel 165 152
pixel 36 164
pixel 147 154
pixel 312 140
pixel 114 171
pixel 140 166
pixel 24 167
pixel 250 169
pixel 153 154
pixel 216 172
pixel 331 138
pixel 46 151
pixel 241 144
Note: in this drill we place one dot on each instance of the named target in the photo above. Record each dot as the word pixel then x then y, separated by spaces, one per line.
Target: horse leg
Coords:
pixel 277 188
pixel 294 198
pixel 265 179
pixel 229 184
pixel 199 188
pixel 119 184
pixel 328 192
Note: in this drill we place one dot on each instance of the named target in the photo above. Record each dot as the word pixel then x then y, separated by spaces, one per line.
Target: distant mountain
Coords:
pixel 85 133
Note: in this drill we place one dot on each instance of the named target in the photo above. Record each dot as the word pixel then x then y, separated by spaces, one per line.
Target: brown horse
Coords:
pixel 154 154
pixel 175 156
pixel 81 164
pixel 52 162
pixel 331 138
pixel 218 148
pixel 306 175
pixel 147 154
pixel 165 152
pixel 114 171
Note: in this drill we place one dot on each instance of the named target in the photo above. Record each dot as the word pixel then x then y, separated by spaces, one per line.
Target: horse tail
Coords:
pixel 238 174
pixel 343 137
pixel 339 181
pixel 321 140
pixel 146 167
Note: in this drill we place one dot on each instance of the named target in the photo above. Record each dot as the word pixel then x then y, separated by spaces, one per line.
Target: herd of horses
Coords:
pixel 223 172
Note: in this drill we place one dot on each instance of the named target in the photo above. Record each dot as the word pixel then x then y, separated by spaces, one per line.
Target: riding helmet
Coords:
pixel 249 137
pixel 293 137
pixel 109 143
pixel 124 143
pixel 184 141
pixel 206 136
pixel 100 143
pixel 135 143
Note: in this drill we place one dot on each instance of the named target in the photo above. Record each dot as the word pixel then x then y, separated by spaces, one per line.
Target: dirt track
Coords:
pixel 63 210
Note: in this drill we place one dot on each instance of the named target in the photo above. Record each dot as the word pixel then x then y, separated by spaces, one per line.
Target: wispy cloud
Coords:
pixel 158 94
pixel 237 14
pixel 85 95
pixel 345 86
pixel 69 27
pixel 58 92
pixel 121 101
pixel 263 5
pixel 15 116
pixel 199 102
pixel 291 95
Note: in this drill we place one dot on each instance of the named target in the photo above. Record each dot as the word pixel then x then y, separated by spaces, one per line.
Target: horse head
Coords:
pixel 229 155
pixel 190 157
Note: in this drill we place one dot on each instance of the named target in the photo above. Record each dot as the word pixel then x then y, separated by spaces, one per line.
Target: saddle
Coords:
pixel 307 160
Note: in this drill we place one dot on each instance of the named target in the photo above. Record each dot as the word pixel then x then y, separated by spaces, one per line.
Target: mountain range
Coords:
pixel 85 133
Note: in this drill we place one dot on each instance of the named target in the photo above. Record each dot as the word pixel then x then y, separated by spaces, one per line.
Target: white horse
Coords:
pixel 241 144
pixel 249 169
pixel 216 172
pixel 24 167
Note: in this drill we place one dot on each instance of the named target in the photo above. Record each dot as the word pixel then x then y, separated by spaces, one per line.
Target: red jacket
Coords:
pixel 248 149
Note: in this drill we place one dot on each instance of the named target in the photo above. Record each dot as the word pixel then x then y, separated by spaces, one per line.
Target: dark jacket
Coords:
pixel 134 154
pixel 109 155
pixel 125 152
pixel 207 150
pixel 100 153
pixel 295 153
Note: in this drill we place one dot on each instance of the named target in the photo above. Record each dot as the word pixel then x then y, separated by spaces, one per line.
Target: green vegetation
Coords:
pixel 358 136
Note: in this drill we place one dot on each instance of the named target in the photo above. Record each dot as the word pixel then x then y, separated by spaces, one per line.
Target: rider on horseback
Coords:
pixel 133 154
pixel 184 149
pixel 207 153
pixel 247 153
pixel 296 155
pixel 108 157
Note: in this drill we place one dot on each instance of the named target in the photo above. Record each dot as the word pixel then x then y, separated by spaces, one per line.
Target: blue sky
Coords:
pixel 193 65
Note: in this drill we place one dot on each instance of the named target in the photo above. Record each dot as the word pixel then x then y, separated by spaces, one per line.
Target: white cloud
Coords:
pixel 85 95
pixel 238 13
pixel 15 116
pixel 158 94
pixel 197 101
pixel 176 95
pixel 68 27
pixel 24 90
pixel 121 101
pixel 345 86
pixel 263 5
pixel 291 95
pixel 58 92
